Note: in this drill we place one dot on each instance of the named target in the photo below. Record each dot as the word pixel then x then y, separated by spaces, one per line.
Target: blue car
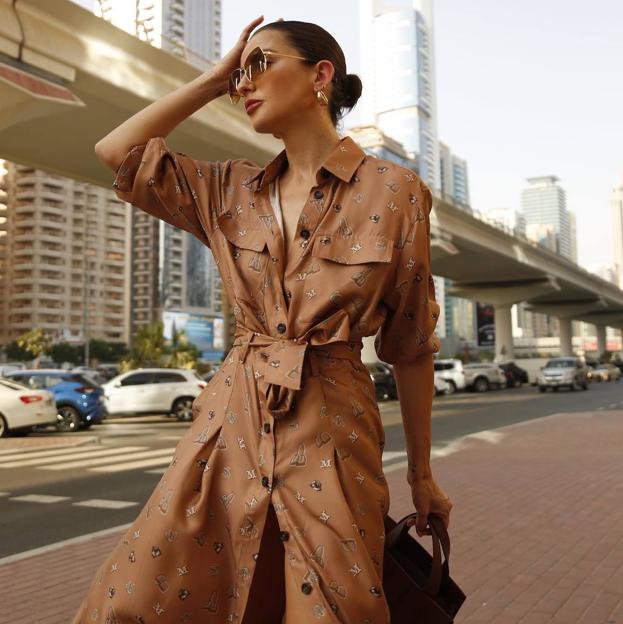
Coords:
pixel 80 401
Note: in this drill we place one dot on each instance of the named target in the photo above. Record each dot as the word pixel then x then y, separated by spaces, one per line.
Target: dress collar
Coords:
pixel 342 162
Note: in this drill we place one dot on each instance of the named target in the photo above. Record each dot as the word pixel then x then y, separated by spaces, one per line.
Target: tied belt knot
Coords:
pixel 278 364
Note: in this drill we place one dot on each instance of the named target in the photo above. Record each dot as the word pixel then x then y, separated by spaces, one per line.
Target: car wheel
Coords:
pixel 86 425
pixel 450 387
pixel 382 394
pixel 183 409
pixel 4 429
pixel 555 388
pixel 542 388
pixel 481 384
pixel 69 419
pixel 584 386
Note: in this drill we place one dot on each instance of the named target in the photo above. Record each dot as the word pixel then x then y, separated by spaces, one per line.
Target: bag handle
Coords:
pixel 439 536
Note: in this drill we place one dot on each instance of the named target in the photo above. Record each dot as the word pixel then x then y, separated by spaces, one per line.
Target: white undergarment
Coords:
pixel 273 190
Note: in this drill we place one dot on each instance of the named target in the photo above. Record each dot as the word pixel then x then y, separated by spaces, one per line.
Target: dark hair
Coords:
pixel 316 44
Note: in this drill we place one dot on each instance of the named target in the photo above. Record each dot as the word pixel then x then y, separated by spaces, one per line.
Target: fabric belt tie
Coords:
pixel 278 364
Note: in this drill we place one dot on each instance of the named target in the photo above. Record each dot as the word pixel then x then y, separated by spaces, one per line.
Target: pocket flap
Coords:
pixel 355 250
pixel 240 233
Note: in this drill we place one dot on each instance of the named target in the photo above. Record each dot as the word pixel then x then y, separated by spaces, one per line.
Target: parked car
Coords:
pixel 384 382
pixel 570 372
pixel 607 372
pixel 515 375
pixel 21 408
pixel 452 371
pixel 441 385
pixel 79 399
pixel 9 367
pixel 481 376
pixel 153 391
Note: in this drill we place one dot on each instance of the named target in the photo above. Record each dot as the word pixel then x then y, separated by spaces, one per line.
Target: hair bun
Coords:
pixel 352 90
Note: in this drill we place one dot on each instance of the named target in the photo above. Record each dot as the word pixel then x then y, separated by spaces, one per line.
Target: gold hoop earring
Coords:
pixel 322 98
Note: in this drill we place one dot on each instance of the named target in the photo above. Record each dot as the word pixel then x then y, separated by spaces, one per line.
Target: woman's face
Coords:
pixel 285 91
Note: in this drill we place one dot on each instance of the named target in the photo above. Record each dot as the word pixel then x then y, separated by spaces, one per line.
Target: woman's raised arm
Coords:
pixel 159 118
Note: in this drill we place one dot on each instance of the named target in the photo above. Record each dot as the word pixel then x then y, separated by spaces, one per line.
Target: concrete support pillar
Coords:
pixel 566 336
pixel 503 332
pixel 601 339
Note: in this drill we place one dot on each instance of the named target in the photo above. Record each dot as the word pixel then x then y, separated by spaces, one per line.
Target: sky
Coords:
pixel 523 89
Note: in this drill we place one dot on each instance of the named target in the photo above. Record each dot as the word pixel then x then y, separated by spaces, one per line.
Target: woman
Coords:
pixel 272 509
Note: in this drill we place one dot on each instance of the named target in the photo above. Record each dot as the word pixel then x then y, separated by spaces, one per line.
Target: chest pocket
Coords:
pixel 246 262
pixel 240 233
pixel 355 250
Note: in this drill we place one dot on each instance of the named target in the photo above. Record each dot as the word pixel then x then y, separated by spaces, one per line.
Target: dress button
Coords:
pixel 305 233
pixel 265 481
pixel 267 427
pixel 318 194
pixel 284 536
pixel 306 588
pixel 281 328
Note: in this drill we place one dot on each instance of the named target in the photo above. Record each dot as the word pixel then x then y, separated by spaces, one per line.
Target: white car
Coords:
pixel 452 372
pixel 482 376
pixel 441 385
pixel 153 391
pixel 22 408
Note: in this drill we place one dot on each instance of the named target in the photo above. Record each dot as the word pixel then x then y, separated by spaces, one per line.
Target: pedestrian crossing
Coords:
pixel 89 459
pixel 108 460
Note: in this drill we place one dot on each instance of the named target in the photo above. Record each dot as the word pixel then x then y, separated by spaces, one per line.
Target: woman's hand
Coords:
pixel 428 498
pixel 231 60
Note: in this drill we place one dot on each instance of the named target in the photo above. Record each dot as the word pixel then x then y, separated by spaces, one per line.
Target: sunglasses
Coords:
pixel 256 64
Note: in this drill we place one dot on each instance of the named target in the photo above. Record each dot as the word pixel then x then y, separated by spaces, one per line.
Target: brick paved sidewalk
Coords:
pixel 537 530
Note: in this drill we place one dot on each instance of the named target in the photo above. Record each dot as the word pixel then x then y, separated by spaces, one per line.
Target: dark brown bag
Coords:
pixel 418 587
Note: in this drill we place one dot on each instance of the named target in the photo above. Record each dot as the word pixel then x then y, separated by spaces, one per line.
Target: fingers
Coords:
pixel 250 27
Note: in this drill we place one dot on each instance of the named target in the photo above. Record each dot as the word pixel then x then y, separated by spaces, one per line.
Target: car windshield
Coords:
pixel 560 364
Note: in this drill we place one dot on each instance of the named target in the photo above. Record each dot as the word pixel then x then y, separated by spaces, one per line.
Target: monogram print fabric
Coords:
pixel 290 419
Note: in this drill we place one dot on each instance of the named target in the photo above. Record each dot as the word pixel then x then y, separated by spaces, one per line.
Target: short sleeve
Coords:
pixel 170 186
pixel 411 316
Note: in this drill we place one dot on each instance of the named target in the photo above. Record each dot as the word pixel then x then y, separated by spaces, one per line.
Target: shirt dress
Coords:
pixel 290 418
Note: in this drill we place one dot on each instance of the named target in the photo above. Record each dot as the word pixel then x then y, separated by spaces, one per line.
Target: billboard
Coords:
pixel 207 334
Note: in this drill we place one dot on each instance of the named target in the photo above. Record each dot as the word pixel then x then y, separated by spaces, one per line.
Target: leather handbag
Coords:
pixel 418 587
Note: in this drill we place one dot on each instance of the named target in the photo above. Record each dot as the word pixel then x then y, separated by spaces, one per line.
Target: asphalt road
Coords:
pixel 50 496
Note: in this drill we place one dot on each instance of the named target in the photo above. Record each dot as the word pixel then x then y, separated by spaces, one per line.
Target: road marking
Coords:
pixel 389 455
pixel 70 455
pixel 5 494
pixel 101 503
pixel 39 498
pixel 134 465
pixel 40 453
pixel 99 461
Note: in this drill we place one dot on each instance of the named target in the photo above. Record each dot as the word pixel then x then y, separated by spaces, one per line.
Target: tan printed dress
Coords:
pixel 290 419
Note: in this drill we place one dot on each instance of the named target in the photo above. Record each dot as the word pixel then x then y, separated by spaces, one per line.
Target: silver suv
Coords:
pixel 482 376
pixel 452 372
pixel 569 372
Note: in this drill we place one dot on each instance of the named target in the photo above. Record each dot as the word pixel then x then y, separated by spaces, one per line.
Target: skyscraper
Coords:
pixel 64 264
pixel 453 172
pixel 616 213
pixel 398 72
pixel 544 204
